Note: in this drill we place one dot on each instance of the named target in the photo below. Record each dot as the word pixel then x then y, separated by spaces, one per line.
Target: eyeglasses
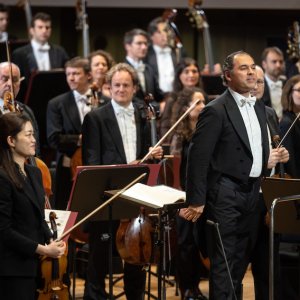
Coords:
pixel 260 82
pixel 296 90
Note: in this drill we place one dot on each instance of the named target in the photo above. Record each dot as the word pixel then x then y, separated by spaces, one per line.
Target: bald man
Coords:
pixel 13 85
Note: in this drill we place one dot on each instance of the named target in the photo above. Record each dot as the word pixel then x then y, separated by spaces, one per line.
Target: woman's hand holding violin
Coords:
pixel 54 250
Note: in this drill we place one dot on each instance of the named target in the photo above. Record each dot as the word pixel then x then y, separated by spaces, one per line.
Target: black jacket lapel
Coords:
pixel 236 119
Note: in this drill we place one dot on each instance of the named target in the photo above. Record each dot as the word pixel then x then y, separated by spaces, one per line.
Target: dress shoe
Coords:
pixel 194 294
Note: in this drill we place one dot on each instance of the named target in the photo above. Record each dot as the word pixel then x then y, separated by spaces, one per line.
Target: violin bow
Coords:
pixel 170 130
pixel 10 73
pixel 297 117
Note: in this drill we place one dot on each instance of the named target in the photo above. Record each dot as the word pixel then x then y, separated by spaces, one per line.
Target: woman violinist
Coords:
pixel 23 230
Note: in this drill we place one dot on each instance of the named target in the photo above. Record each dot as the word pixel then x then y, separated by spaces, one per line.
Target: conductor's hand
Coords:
pixel 278 155
pixel 54 250
pixel 191 213
pixel 284 155
pixel 157 153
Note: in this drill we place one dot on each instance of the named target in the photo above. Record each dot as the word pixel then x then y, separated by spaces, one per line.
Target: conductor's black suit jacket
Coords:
pixel 101 137
pixel 22 224
pixel 220 147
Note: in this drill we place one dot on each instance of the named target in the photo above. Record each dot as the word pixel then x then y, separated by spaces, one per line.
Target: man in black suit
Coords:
pixel 39 55
pixel 116 133
pixel 228 154
pixel 65 115
pixel 160 56
pixel 136 45
pixel 273 65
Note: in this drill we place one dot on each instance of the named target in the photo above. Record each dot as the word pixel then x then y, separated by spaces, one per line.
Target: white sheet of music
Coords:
pixel 154 196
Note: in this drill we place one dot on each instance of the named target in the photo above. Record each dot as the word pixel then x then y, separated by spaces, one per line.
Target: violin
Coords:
pixel 53 270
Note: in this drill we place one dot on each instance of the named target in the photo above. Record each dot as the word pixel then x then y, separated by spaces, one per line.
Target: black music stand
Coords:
pixel 13 45
pixel 42 87
pixel 284 196
pixel 88 192
pixel 213 85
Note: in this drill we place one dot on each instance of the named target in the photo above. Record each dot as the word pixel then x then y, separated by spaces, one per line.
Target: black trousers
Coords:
pixel 134 275
pixel 233 207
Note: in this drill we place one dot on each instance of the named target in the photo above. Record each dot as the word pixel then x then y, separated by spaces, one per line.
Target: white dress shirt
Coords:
pixel 127 126
pixel 82 104
pixel 3 37
pixel 246 107
pixel 275 89
pixel 41 54
pixel 139 66
pixel 165 66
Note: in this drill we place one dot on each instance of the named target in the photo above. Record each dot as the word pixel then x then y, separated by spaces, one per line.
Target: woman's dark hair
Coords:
pixel 107 56
pixel 184 63
pixel 179 108
pixel 11 124
pixel 287 93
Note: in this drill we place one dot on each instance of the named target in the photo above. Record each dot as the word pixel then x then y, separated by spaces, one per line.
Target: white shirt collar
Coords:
pixel 117 107
pixel 36 45
pixel 79 96
pixel 239 99
pixel 159 50
pixel 134 63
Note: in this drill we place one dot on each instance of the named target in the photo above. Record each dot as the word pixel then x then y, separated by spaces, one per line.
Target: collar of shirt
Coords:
pixel 138 65
pixel 241 100
pixel 79 97
pixel 159 50
pixel 118 109
pixel 39 47
pixel 273 84
pixel 3 36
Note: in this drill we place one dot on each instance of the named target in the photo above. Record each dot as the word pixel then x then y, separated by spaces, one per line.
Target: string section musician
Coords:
pixel 65 115
pixel 39 54
pixel 23 229
pixel 227 156
pixel 116 133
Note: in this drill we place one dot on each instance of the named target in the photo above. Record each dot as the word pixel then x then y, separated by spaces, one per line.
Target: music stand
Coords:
pixel 284 195
pixel 42 87
pixel 13 45
pixel 88 192
pixel 213 85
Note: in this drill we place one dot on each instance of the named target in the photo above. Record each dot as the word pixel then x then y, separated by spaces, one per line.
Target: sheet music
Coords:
pixel 61 221
pixel 154 196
